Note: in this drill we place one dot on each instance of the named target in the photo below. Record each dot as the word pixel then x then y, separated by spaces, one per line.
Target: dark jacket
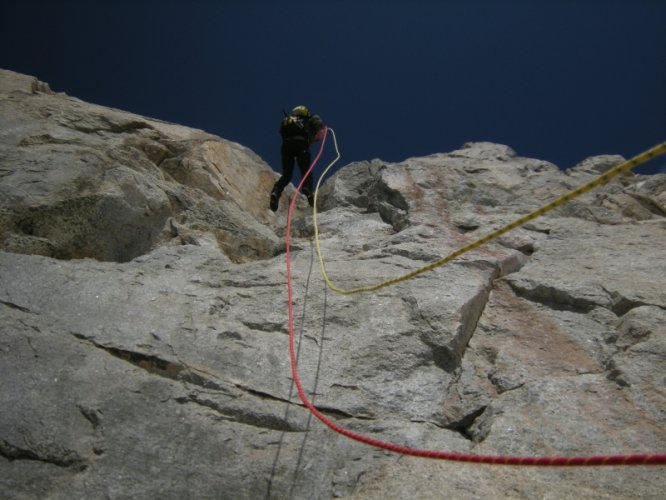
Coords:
pixel 297 128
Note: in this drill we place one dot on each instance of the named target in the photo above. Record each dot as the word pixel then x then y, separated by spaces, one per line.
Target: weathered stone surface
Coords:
pixel 80 180
pixel 144 337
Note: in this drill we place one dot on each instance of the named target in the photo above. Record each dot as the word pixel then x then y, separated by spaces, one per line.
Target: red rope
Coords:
pixel 595 460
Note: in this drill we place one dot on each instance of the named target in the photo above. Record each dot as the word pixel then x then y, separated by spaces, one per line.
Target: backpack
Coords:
pixel 316 129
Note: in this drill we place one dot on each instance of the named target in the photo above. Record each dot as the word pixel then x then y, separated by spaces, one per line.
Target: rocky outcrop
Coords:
pixel 143 341
pixel 81 181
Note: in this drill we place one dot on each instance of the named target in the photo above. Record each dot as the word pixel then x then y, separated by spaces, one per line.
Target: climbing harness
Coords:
pixel 594 460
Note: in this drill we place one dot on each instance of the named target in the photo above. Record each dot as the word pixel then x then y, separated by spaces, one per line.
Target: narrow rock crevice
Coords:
pixel 390 203
pixel 255 417
pixel 562 300
pixel 326 410
pixel 553 298
pixel 11 305
pixel 90 415
pixel 534 228
pixel 261 394
pixel 615 374
pixel 339 414
pixel 621 305
pixel 503 385
pixel 648 203
pixel 464 425
pixel 158 366
pixel 50 454
pixel 48 139
pixel 266 326
pixel 466 226
pixel 244 416
pixel 108 125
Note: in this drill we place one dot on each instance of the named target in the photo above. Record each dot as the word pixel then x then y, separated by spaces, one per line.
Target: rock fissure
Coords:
pixel 107 124
pixel 464 425
pixel 341 414
pixel 554 298
pixel 46 453
pixel 620 304
pixel 18 307
pixel 246 416
pixel 266 326
pixel 262 395
pixel 156 365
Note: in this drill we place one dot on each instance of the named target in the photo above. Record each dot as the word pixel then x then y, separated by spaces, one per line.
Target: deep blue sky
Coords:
pixel 558 80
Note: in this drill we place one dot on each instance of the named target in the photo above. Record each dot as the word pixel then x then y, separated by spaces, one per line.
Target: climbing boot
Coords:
pixel 309 195
pixel 275 200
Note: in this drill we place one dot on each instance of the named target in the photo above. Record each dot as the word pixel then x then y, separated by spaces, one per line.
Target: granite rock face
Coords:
pixel 84 181
pixel 144 336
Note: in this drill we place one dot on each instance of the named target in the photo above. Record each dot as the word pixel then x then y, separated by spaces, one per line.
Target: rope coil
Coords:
pixel 594 460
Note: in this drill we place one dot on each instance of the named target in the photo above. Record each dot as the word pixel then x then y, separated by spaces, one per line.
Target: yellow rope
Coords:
pixel 584 188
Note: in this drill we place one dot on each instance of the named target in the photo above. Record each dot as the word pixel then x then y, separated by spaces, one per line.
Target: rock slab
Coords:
pixel 143 341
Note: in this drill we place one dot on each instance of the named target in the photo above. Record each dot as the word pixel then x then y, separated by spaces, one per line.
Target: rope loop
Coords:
pixel 555 461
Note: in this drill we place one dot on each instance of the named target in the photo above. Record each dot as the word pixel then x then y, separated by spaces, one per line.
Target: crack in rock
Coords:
pixel 615 374
pixel 564 300
pixel 327 410
pixel 11 305
pixel 464 425
pixel 158 366
pixel 47 453
pixel 554 298
pixel 620 304
pixel 247 416
pixel 266 326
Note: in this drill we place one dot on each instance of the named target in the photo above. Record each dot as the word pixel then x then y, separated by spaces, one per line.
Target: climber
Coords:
pixel 298 131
